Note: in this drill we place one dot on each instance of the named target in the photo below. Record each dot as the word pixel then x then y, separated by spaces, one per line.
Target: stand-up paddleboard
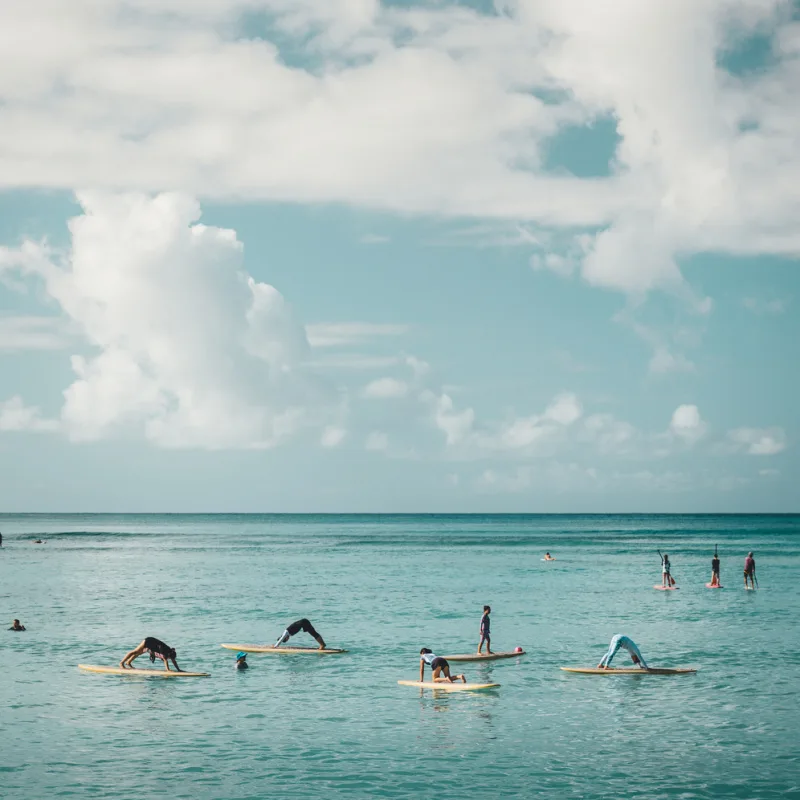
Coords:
pixel 450 687
pixel 482 656
pixel 265 648
pixel 146 673
pixel 712 586
pixel 666 588
pixel 630 671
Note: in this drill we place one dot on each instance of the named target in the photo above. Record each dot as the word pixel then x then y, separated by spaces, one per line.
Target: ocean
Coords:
pixel 383 586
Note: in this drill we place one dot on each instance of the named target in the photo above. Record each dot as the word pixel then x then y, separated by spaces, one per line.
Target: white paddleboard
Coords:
pixel 482 656
pixel 450 687
pixel 266 648
pixel 146 673
pixel 630 671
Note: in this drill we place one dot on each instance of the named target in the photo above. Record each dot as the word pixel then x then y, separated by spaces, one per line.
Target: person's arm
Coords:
pixel 421 670
pixel 176 665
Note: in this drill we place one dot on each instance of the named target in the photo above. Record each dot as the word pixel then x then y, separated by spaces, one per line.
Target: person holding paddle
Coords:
pixel 666 576
pixel 715 569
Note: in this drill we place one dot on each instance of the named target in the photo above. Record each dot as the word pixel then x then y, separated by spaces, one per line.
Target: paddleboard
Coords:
pixel 666 588
pixel 630 671
pixel 147 673
pixel 482 656
pixel 265 648
pixel 548 559
pixel 711 586
pixel 451 687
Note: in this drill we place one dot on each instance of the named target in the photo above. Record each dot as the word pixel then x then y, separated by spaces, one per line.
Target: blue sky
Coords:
pixel 353 256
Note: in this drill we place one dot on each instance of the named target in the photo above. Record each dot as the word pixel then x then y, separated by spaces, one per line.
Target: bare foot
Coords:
pixel 463 678
pixel 322 647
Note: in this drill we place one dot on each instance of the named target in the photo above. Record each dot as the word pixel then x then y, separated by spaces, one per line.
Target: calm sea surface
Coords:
pixel 384 586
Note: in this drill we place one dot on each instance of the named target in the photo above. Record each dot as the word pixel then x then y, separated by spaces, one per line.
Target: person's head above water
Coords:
pixel 241 656
pixel 424 651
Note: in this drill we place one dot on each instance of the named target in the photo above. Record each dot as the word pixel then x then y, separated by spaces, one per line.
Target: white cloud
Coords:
pixel 456 425
pixel 32 333
pixel 16 416
pixel 384 388
pixel 377 441
pixel 344 334
pixel 772 307
pixel 333 436
pixel 758 441
pixel 565 409
pixel 687 424
pixel 664 361
pixel 110 96
pixel 609 435
pixel 190 349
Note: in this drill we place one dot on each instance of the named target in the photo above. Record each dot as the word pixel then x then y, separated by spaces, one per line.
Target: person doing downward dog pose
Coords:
pixel 622 642
pixel 157 649
pixel 295 628
pixel 439 667
pixel 715 570
pixel 486 635
pixel 750 570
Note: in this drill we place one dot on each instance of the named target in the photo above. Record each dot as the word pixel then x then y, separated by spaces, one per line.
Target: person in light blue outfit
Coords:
pixel 623 642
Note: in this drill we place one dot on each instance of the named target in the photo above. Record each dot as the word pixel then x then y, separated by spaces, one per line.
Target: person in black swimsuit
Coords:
pixel 715 570
pixel 17 626
pixel 156 648
pixel 439 667
pixel 295 628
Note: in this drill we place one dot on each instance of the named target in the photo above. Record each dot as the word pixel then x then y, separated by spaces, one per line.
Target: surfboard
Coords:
pixel 711 586
pixel 666 588
pixel 630 671
pixel 266 648
pixel 451 687
pixel 547 559
pixel 146 673
pixel 482 656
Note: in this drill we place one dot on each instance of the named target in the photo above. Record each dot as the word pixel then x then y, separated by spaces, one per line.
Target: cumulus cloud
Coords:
pixel 377 441
pixel 186 346
pixel 706 159
pixel 384 388
pixel 16 416
pixel 687 424
pixel 333 436
pixel 757 441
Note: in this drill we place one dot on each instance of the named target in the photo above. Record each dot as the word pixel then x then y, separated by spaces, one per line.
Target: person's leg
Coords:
pixel 480 644
pixel 132 656
pixel 308 628
pixel 488 644
pixel 435 673
pixel 634 651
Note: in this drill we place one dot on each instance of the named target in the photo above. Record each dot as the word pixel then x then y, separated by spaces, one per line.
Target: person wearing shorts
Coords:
pixel 750 571
pixel 440 668
pixel 295 628
pixel 622 642
pixel 486 635
pixel 156 649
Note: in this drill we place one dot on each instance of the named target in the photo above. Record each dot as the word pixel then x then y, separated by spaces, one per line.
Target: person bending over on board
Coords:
pixel 715 570
pixel 440 668
pixel 486 635
pixel 666 576
pixel 295 628
pixel 750 571
pixel 548 557
pixel 157 649
pixel 622 642
pixel 17 626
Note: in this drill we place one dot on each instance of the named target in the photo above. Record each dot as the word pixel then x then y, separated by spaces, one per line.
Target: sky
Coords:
pixel 385 256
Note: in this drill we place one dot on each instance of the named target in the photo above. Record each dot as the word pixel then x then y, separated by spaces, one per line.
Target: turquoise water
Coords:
pixel 384 586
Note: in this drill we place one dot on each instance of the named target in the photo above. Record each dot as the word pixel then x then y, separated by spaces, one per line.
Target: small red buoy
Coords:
pixel 517 649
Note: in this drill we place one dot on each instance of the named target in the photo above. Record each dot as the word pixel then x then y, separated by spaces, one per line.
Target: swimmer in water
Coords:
pixel 295 628
pixel 622 642
pixel 241 661
pixel 157 649
pixel 548 557
pixel 17 626
pixel 440 668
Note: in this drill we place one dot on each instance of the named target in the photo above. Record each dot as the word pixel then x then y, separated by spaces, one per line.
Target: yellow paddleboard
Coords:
pixel 266 648
pixel 147 673
pixel 482 656
pixel 630 671
pixel 451 687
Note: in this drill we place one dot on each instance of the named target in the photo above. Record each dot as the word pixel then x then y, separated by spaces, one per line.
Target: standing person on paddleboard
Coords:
pixel 715 569
pixel 666 575
pixel 622 642
pixel 295 628
pixel 157 649
pixel 439 666
pixel 485 632
pixel 750 570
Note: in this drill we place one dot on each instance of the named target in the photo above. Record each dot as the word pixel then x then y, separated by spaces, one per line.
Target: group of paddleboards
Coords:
pixel 668 582
pixel 442 677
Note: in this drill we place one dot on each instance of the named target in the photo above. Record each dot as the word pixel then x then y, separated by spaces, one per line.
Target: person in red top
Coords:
pixel 750 571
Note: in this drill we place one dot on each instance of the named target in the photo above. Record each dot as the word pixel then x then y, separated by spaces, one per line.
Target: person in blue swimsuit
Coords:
pixel 620 642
